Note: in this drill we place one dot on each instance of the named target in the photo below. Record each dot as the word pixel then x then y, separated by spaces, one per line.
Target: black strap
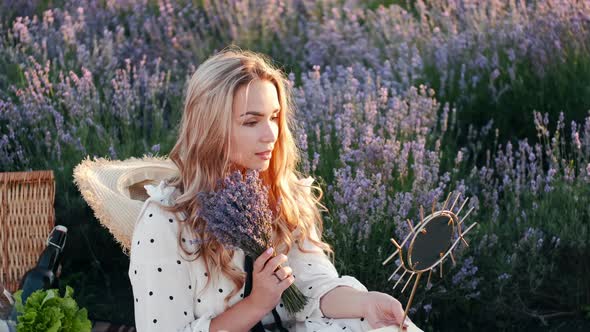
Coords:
pixel 248 288
pixel 278 321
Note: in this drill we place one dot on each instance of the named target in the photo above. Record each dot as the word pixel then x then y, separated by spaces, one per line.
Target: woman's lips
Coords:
pixel 264 155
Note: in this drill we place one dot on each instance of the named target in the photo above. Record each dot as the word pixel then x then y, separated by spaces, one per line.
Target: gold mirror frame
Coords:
pixel 456 224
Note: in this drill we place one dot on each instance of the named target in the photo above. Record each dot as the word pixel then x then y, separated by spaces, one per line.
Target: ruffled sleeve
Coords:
pixel 161 193
pixel 308 181
pixel 315 275
pixel 162 282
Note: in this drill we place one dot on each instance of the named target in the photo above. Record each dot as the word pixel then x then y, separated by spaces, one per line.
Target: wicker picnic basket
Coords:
pixel 27 215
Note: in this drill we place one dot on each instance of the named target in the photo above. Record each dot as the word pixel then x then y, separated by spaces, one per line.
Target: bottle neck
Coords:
pixel 49 258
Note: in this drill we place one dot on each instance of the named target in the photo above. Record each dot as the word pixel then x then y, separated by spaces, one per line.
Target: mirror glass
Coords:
pixel 428 244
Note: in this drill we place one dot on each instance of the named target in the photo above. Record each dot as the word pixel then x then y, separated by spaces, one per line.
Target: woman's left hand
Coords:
pixel 383 310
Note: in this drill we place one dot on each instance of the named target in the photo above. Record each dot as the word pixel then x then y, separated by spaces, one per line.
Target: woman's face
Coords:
pixel 255 125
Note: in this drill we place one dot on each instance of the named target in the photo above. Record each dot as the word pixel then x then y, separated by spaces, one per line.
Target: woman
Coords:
pixel 236 116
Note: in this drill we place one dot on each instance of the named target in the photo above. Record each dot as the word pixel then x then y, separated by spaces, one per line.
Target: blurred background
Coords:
pixel 398 103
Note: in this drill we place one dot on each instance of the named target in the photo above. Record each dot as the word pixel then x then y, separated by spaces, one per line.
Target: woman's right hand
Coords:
pixel 266 287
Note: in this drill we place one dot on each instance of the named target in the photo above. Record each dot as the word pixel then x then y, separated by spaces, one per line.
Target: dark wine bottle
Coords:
pixel 45 274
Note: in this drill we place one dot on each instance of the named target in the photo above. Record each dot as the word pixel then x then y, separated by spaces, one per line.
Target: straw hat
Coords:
pixel 117 189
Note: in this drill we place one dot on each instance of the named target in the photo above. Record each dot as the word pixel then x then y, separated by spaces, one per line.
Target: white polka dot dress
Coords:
pixel 167 288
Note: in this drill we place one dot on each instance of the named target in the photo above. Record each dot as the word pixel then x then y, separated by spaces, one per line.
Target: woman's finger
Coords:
pixel 274 263
pixel 287 282
pixel 279 279
pixel 406 323
pixel 284 272
pixel 261 260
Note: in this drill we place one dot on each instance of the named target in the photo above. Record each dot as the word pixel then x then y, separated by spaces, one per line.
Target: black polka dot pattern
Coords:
pixel 161 276
pixel 158 270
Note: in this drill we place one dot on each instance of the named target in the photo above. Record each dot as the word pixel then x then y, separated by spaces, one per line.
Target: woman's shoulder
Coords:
pixel 158 196
pixel 156 225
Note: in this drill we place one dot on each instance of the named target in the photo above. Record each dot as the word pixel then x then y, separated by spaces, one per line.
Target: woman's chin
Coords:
pixel 261 166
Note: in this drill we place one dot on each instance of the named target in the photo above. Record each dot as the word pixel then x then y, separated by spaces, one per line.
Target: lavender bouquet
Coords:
pixel 238 216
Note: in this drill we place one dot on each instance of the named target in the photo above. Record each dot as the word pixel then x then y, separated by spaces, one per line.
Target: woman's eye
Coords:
pixel 250 124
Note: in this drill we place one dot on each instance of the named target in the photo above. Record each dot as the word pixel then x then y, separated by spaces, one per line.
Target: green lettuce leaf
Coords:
pixel 46 310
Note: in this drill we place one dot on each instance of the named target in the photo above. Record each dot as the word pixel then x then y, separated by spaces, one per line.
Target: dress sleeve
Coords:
pixel 315 276
pixel 163 289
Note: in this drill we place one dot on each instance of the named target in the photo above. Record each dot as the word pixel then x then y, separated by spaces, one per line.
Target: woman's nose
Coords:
pixel 270 132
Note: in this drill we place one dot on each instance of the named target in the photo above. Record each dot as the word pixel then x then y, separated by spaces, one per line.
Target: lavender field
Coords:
pixel 398 103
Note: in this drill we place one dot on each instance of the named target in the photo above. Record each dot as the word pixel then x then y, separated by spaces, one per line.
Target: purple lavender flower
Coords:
pixel 238 216
pixel 155 148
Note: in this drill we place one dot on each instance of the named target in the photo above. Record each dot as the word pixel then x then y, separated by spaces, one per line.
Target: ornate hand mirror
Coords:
pixel 430 243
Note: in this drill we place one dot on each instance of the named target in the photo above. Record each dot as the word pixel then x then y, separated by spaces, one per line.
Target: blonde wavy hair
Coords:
pixel 202 152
